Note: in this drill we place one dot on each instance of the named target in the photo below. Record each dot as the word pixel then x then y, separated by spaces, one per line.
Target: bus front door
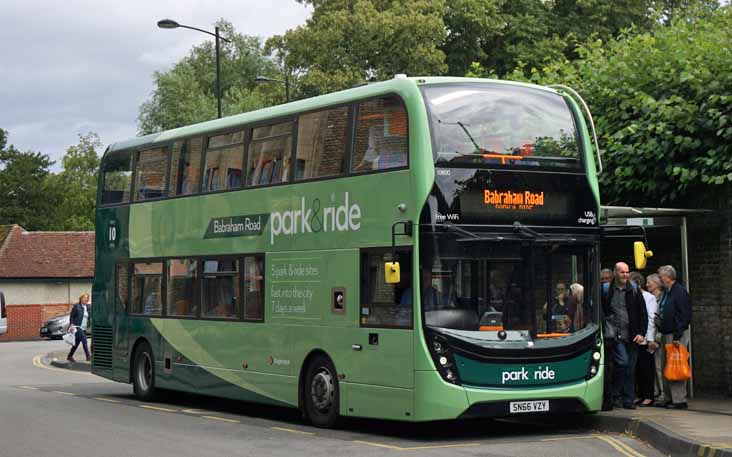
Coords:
pixel 380 372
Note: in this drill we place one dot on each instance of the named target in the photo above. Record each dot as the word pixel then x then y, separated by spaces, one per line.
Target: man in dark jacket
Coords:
pixel 674 316
pixel 625 309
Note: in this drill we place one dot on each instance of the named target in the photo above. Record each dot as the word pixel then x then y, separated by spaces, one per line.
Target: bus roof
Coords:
pixel 402 85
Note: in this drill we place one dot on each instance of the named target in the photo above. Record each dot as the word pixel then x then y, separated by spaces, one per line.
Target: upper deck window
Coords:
pixel 117 170
pixel 224 160
pixel 501 126
pixel 321 143
pixel 381 135
pixel 185 167
pixel 151 167
pixel 269 154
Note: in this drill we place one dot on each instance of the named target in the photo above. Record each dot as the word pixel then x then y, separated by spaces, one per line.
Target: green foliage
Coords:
pixel 77 185
pixel 501 35
pixel 28 196
pixel 346 42
pixel 661 105
pixel 37 199
pixel 186 93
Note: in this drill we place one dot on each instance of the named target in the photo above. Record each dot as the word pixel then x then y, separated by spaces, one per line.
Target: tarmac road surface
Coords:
pixel 48 411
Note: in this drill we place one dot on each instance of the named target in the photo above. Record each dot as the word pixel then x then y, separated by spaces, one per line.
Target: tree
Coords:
pixel 77 184
pixel 28 196
pixel 347 42
pixel 186 93
pixel 662 105
pixel 502 35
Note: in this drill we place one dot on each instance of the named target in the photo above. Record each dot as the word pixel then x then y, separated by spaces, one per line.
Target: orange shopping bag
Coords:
pixel 677 363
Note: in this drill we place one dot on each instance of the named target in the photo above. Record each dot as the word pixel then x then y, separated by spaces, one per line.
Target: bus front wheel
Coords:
pixel 143 373
pixel 321 393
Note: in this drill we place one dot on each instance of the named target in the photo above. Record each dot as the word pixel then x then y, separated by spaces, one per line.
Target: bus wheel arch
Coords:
pixel 319 392
pixel 142 370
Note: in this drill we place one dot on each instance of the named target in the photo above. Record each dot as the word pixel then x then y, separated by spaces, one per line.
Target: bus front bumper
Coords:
pixel 437 399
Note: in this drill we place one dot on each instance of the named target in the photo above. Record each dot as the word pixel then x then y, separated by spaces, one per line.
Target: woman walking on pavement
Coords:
pixel 79 321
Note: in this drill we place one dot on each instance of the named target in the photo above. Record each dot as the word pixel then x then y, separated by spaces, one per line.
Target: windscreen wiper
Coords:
pixel 457 229
pixel 518 227
pixel 478 149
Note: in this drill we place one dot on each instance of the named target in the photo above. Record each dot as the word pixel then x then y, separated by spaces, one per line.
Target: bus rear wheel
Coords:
pixel 321 393
pixel 143 373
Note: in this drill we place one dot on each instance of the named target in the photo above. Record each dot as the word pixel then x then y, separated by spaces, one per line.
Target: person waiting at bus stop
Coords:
pixel 625 311
pixel 646 366
pixel 674 317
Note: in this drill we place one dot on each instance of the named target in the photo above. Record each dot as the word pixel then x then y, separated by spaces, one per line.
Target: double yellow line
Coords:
pixel 617 444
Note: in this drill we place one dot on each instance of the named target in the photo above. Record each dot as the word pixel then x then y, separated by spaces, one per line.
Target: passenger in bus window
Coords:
pixel 559 319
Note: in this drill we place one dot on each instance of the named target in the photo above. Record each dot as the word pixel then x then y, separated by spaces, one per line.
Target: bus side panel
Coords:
pixel 379 402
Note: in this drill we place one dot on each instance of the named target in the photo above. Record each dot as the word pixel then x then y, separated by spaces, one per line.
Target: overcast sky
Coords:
pixel 74 66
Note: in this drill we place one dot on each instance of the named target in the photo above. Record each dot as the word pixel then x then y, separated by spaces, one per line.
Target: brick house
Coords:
pixel 42 274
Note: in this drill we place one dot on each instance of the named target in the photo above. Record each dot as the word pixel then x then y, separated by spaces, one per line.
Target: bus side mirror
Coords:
pixel 391 272
pixel 641 255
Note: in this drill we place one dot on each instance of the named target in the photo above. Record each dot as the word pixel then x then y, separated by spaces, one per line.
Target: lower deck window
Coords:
pixel 147 288
pixel 181 288
pixel 253 287
pixel 220 289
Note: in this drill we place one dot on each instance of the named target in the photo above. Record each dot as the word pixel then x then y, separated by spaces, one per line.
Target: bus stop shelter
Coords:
pixel 666 232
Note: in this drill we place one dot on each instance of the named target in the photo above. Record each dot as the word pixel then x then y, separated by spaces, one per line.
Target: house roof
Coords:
pixel 57 255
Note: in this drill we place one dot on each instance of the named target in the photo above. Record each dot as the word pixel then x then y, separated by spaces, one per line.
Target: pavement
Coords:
pixel 58 360
pixel 703 430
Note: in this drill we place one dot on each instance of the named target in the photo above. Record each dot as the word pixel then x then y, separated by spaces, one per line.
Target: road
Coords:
pixel 46 411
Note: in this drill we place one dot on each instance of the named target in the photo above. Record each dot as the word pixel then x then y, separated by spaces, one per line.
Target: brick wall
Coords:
pixel 24 321
pixel 710 262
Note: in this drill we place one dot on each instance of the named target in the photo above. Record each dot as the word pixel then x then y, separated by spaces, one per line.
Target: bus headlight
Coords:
pixel 594 367
pixel 438 346
pixel 443 359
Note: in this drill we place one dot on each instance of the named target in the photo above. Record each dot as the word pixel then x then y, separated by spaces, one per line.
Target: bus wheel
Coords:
pixel 143 373
pixel 321 393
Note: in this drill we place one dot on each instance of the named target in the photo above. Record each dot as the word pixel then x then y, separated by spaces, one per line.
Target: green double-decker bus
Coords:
pixel 416 249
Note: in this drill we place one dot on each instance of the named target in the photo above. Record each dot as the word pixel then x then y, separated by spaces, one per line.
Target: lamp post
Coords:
pixel 171 24
pixel 286 82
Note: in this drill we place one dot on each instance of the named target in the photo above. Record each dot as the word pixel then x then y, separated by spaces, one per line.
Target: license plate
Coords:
pixel 518 407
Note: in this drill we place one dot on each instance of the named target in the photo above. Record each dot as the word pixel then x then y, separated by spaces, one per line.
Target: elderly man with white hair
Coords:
pixel 674 316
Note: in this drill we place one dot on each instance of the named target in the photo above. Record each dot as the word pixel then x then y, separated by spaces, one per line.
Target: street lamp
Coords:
pixel 171 24
pixel 286 82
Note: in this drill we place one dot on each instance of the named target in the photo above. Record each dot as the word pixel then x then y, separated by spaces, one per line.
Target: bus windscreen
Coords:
pixel 529 290
pixel 500 126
